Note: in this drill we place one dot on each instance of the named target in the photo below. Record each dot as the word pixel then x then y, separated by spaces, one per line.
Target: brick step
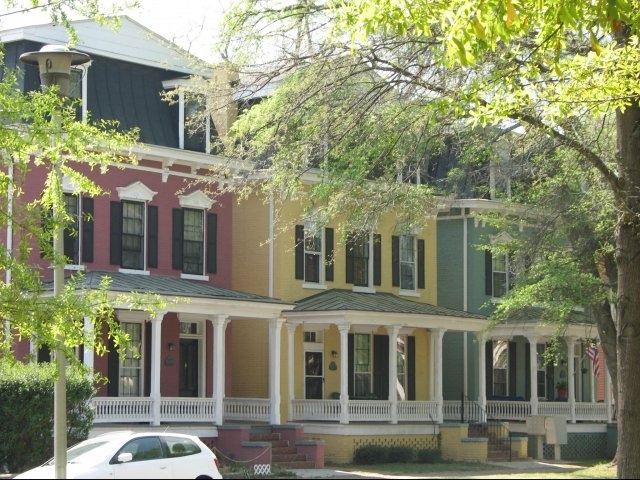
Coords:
pixel 300 464
pixel 264 437
pixel 288 457
pixel 285 450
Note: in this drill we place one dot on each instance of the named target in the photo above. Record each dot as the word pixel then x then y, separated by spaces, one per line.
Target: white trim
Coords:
pixel 134 272
pixel 195 199
pixel 189 276
pixel 136 191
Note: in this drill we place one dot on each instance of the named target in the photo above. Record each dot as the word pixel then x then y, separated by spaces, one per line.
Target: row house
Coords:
pixel 367 338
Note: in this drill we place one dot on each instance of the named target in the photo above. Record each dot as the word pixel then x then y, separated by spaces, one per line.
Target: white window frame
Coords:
pixel 198 200
pixel 369 287
pixel 137 363
pixel 316 232
pixel 69 191
pixel 138 192
pixel 369 372
pixel 413 262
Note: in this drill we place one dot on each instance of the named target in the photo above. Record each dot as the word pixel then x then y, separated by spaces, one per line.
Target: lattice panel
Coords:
pixel 580 446
pixel 415 443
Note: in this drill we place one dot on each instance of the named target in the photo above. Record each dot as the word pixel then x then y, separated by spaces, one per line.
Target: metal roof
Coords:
pixel 347 300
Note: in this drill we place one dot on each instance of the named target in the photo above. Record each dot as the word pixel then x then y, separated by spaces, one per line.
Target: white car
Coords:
pixel 127 454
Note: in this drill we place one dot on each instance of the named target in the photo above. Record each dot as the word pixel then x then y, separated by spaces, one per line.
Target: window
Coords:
pixel 500 364
pixel 72 230
pixel 408 262
pixel 134 229
pixel 500 274
pixel 132 235
pixel 310 250
pixel 541 371
pixel 363 260
pixel 401 352
pixel 130 381
pixel 362 365
pixel 194 241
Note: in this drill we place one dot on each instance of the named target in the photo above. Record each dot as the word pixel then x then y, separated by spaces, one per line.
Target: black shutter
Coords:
pixel 421 264
pixel 488 365
pixel 488 273
pixel 377 260
pixel 212 242
pixel 381 366
pixel 152 236
pixel 512 369
pixel 87 229
pixel 350 343
pixel 328 254
pixel 349 259
pixel 176 243
pixel 115 247
pixel 395 261
pixel 527 372
pixel 147 359
pixel 299 252
pixel 411 368
pixel 113 369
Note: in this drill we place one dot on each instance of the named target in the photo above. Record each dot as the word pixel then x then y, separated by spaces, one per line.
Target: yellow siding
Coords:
pixel 250 358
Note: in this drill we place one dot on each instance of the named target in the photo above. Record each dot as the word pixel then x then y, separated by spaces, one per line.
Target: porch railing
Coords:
pixel 203 410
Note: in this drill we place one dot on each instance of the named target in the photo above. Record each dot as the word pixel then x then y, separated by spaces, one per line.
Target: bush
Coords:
pixel 428 456
pixel 370 455
pixel 399 455
pixel 26 410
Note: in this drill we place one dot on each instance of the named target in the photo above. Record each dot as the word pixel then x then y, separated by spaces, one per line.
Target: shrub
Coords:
pixel 26 410
pixel 370 455
pixel 399 455
pixel 428 455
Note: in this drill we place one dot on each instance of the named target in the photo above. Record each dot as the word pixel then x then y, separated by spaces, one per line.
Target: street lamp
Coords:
pixel 55 63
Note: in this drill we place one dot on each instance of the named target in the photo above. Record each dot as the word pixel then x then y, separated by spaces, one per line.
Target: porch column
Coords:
pixel 344 373
pixel 436 339
pixel 219 327
pixel 608 393
pixel 533 374
pixel 275 332
pixel 88 354
pixel 393 371
pixel 482 372
pixel 291 330
pixel 571 376
pixel 156 361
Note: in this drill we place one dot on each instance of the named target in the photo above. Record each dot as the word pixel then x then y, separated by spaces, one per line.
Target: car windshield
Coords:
pixel 76 453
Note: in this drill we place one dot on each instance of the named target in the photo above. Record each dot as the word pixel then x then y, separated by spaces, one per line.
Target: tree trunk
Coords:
pixel 628 303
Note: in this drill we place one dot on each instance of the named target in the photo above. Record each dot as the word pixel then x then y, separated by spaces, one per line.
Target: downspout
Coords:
pixel 271 240
pixel 465 301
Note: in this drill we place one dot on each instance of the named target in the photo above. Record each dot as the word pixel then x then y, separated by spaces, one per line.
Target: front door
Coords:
pixel 313 375
pixel 188 367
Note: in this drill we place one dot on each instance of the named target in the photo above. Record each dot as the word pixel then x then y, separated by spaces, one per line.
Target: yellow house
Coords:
pixel 358 298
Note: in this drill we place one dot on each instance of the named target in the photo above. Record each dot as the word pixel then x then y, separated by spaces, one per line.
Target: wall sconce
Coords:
pixel 334 354
pixel 171 347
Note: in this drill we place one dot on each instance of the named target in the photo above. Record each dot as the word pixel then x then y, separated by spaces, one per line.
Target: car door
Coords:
pixel 148 460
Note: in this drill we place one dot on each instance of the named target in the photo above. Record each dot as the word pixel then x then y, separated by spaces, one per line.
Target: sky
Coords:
pixel 191 24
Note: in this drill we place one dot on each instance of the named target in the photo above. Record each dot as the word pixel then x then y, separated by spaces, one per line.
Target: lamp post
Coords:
pixel 54 62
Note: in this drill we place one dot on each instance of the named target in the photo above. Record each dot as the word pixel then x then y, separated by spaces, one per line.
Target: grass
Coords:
pixel 549 470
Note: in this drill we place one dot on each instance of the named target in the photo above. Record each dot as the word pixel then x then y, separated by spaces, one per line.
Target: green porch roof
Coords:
pixel 341 300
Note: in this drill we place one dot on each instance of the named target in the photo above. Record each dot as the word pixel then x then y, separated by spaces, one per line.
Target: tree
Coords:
pixel 553 66
pixel 41 129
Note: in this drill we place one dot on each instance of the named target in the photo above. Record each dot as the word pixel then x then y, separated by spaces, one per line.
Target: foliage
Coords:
pixel 26 407
pixel 428 455
pixel 370 455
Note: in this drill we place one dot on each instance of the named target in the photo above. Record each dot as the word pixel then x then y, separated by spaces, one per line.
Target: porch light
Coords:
pixel 334 354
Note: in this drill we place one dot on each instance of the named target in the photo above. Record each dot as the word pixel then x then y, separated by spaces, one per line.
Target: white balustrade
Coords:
pixel 252 409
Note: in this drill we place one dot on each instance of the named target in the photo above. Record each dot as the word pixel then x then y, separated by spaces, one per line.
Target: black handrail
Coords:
pixel 494 429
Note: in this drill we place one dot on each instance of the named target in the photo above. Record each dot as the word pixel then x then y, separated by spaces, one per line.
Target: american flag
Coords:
pixel 592 353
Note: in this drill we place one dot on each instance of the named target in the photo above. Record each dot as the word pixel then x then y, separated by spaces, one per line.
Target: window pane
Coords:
pixel 362 367
pixel 193 243
pixel 312 253
pixel 360 255
pixel 407 262
pixel 131 366
pixel 133 235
